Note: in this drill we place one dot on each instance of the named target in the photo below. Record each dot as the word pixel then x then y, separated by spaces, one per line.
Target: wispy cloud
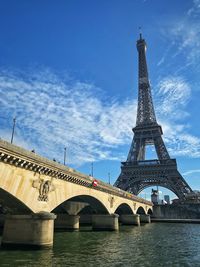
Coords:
pixel 183 35
pixel 195 9
pixel 187 38
pixel 172 95
pixel 54 111
pixel 191 172
pixel 165 54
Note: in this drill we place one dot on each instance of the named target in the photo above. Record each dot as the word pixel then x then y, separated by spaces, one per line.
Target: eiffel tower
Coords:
pixel 138 173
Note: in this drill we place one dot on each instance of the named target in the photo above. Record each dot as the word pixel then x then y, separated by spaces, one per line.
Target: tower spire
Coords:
pixel 145 111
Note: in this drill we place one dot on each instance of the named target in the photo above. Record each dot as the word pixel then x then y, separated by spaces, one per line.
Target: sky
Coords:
pixel 68 73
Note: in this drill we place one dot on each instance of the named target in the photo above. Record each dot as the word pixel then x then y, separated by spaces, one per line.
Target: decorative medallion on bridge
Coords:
pixel 44 187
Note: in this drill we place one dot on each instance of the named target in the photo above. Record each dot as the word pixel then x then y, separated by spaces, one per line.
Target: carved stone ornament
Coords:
pixel 111 200
pixel 44 187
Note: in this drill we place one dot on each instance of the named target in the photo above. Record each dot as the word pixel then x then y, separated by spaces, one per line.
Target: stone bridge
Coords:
pixel 35 190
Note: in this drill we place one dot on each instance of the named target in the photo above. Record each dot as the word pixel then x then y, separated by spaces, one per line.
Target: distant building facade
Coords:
pixel 155 196
pixel 167 199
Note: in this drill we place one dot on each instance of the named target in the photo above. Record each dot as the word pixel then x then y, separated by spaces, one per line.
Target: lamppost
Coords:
pixel 92 169
pixel 109 178
pixel 65 154
pixel 13 129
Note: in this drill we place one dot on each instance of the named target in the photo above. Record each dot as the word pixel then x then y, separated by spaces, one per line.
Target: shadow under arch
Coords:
pixel 9 204
pixel 150 212
pixel 95 206
pixel 140 210
pixel 123 209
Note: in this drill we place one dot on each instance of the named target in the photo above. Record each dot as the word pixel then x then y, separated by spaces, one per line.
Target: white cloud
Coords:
pixel 53 112
pixel 195 9
pixel 183 38
pixel 191 172
pixel 165 54
pixel 187 36
pixel 172 95
pixel 178 141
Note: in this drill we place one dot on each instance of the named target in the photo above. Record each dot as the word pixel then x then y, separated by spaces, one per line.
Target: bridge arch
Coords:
pixel 10 204
pixel 140 210
pixel 150 211
pixel 124 209
pixel 95 206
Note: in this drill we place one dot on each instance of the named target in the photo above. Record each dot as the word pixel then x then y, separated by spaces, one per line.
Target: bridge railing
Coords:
pixel 22 158
pixel 150 162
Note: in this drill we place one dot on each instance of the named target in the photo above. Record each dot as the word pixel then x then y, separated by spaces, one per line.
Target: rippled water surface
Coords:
pixel 155 244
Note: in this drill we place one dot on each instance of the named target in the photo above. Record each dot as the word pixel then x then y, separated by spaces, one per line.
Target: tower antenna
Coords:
pixel 140 32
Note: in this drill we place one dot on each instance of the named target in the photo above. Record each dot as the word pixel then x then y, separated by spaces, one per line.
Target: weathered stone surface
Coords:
pixel 73 208
pixel 64 183
pixel 39 184
pixel 67 222
pixel 85 219
pixel 130 219
pixel 105 222
pixel 31 230
pixel 18 183
pixel 145 218
pixel 179 211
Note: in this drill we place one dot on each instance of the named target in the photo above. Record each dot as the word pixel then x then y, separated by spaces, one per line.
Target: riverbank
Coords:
pixel 196 221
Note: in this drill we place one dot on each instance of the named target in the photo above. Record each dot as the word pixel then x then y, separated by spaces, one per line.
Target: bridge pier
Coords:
pixel 145 218
pixel 105 222
pixel 74 207
pixel 130 219
pixel 67 222
pixel 35 230
pixel 85 219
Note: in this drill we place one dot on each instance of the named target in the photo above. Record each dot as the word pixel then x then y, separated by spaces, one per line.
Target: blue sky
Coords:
pixel 68 72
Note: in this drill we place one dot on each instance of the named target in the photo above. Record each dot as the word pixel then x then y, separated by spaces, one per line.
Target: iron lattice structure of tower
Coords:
pixel 138 173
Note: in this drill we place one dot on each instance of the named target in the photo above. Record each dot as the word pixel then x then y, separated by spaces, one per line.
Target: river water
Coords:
pixel 155 244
